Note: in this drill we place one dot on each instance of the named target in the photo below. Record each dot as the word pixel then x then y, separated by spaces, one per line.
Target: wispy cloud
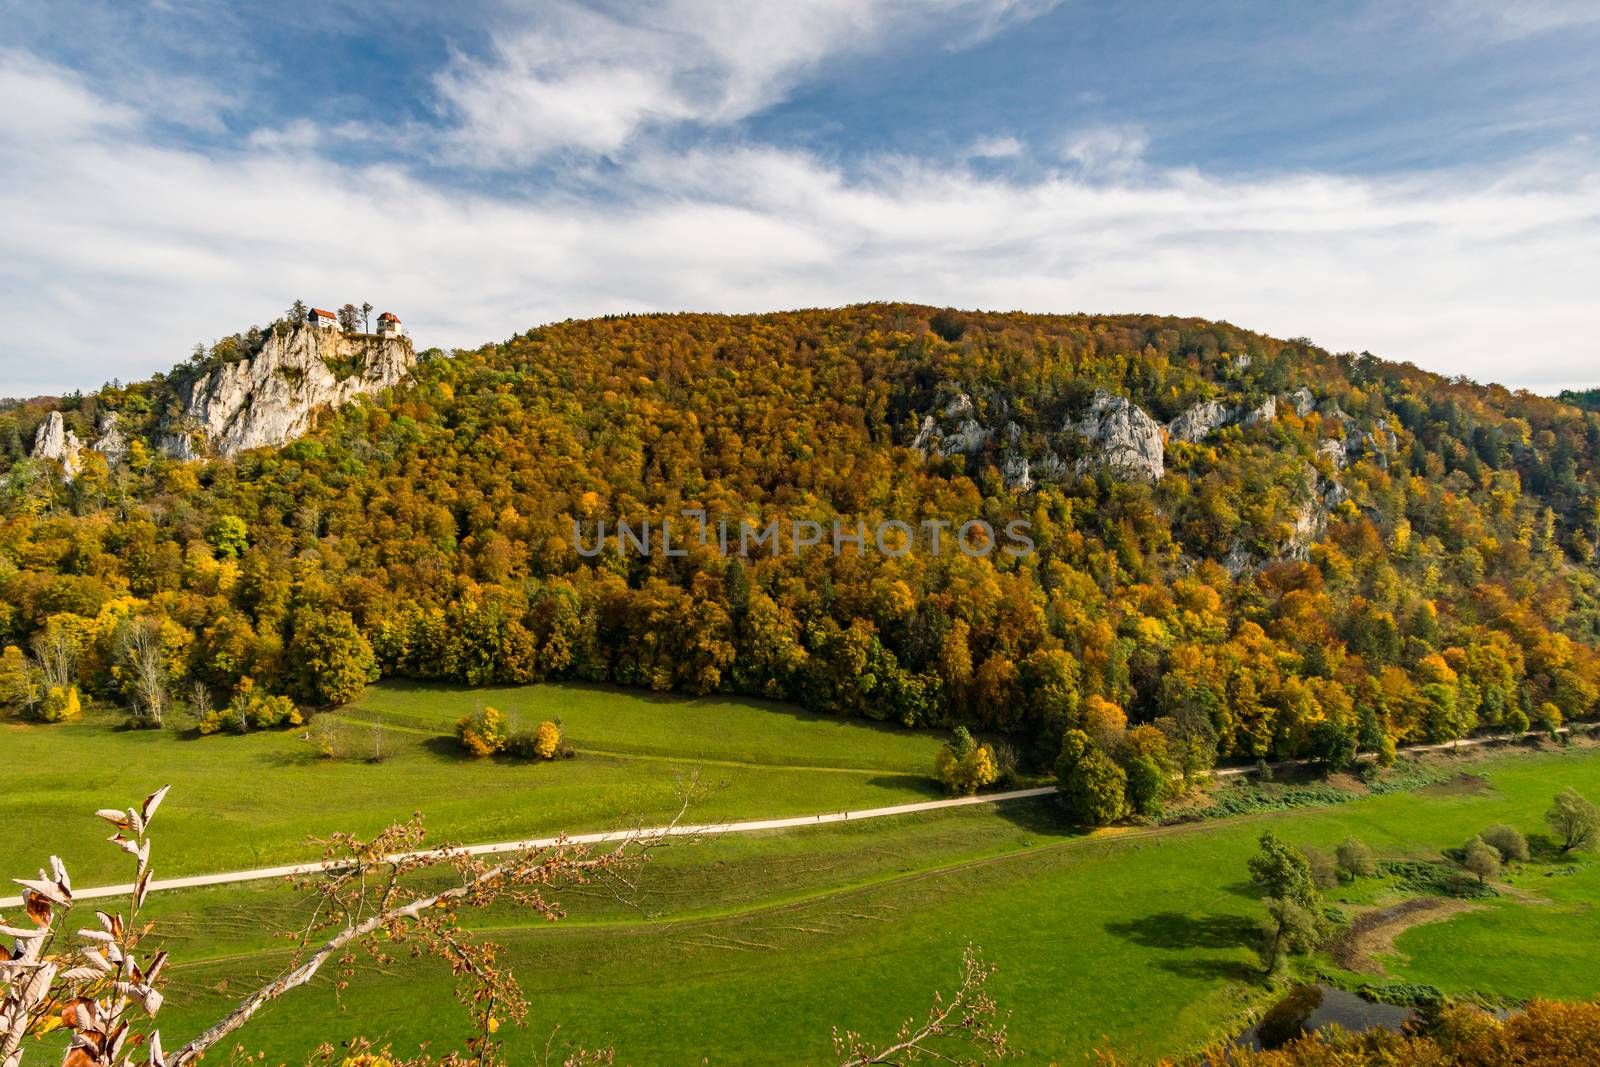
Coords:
pixel 590 77
pixel 1106 151
pixel 996 148
pixel 594 156
pixel 121 253
pixel 1512 20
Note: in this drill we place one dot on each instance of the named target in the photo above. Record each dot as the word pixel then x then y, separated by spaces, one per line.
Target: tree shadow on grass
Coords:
pixel 1212 970
pixel 1546 849
pixel 1040 815
pixel 1178 932
pixel 294 758
pixel 447 748
pixel 1243 890
pixel 907 783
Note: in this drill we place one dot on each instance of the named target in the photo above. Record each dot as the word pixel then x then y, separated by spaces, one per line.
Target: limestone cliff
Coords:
pixel 273 397
pixel 1112 433
pixel 1121 437
pixel 53 441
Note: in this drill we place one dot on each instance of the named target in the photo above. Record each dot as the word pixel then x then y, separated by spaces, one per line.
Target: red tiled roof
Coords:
pixel 388 316
pixel 319 313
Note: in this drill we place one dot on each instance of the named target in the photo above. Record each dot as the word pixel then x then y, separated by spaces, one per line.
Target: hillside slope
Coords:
pixel 1234 537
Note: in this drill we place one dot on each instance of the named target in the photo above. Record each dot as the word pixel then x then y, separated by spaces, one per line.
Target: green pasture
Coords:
pixel 750 949
pixel 256 800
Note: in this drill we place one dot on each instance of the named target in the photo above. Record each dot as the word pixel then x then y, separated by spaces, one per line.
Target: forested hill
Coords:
pixel 1235 537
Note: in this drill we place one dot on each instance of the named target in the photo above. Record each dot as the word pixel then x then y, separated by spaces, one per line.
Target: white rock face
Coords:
pixel 959 408
pixel 110 441
pixel 1017 472
pixel 273 398
pixel 1265 413
pixel 955 431
pixel 1333 450
pixel 1193 425
pixel 1120 437
pixel 53 441
pixel 1303 401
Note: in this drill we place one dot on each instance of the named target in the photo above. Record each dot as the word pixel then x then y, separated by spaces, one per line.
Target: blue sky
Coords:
pixel 1418 180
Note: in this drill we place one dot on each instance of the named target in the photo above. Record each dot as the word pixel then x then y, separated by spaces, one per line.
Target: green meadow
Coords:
pixel 257 800
pixel 751 948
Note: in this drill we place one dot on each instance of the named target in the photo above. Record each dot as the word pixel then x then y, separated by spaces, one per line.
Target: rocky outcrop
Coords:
pixel 1266 412
pixel 1193 425
pixel 54 442
pixel 110 441
pixel 1119 436
pixel 274 397
pixel 1017 471
pixel 954 431
pixel 1208 416
pixel 1377 443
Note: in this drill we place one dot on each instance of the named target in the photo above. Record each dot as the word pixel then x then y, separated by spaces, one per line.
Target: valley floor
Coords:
pixel 750 949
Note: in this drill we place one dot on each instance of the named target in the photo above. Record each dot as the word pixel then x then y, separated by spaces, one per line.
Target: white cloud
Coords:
pixel 996 148
pixel 47 102
pixel 1106 151
pixel 119 253
pixel 1499 20
pixel 572 75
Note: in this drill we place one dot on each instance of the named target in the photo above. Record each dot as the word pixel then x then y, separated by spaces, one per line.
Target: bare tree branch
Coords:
pixel 967 1029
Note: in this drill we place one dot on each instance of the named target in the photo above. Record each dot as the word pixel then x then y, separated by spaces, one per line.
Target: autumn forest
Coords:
pixel 1390 557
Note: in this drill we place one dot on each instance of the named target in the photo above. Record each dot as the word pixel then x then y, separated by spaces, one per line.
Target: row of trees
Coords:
pixel 134 652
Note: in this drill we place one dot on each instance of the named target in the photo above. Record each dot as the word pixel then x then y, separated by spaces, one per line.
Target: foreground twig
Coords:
pixel 967 1029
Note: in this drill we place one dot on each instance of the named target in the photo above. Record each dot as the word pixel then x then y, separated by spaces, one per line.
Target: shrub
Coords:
pixel 1517 721
pixel 249 709
pixel 265 712
pixel 1481 859
pixel 1355 859
pixel 547 740
pixel 1509 842
pixel 1421 878
pixel 217 720
pixel 59 705
pixel 963 766
pixel 483 733
pixel 1547 717
pixel 543 743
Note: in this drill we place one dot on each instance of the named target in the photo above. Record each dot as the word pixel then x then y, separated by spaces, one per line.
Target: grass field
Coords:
pixel 250 801
pixel 750 949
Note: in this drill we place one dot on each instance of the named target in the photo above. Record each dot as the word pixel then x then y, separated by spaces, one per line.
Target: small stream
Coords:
pixel 1311 1007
